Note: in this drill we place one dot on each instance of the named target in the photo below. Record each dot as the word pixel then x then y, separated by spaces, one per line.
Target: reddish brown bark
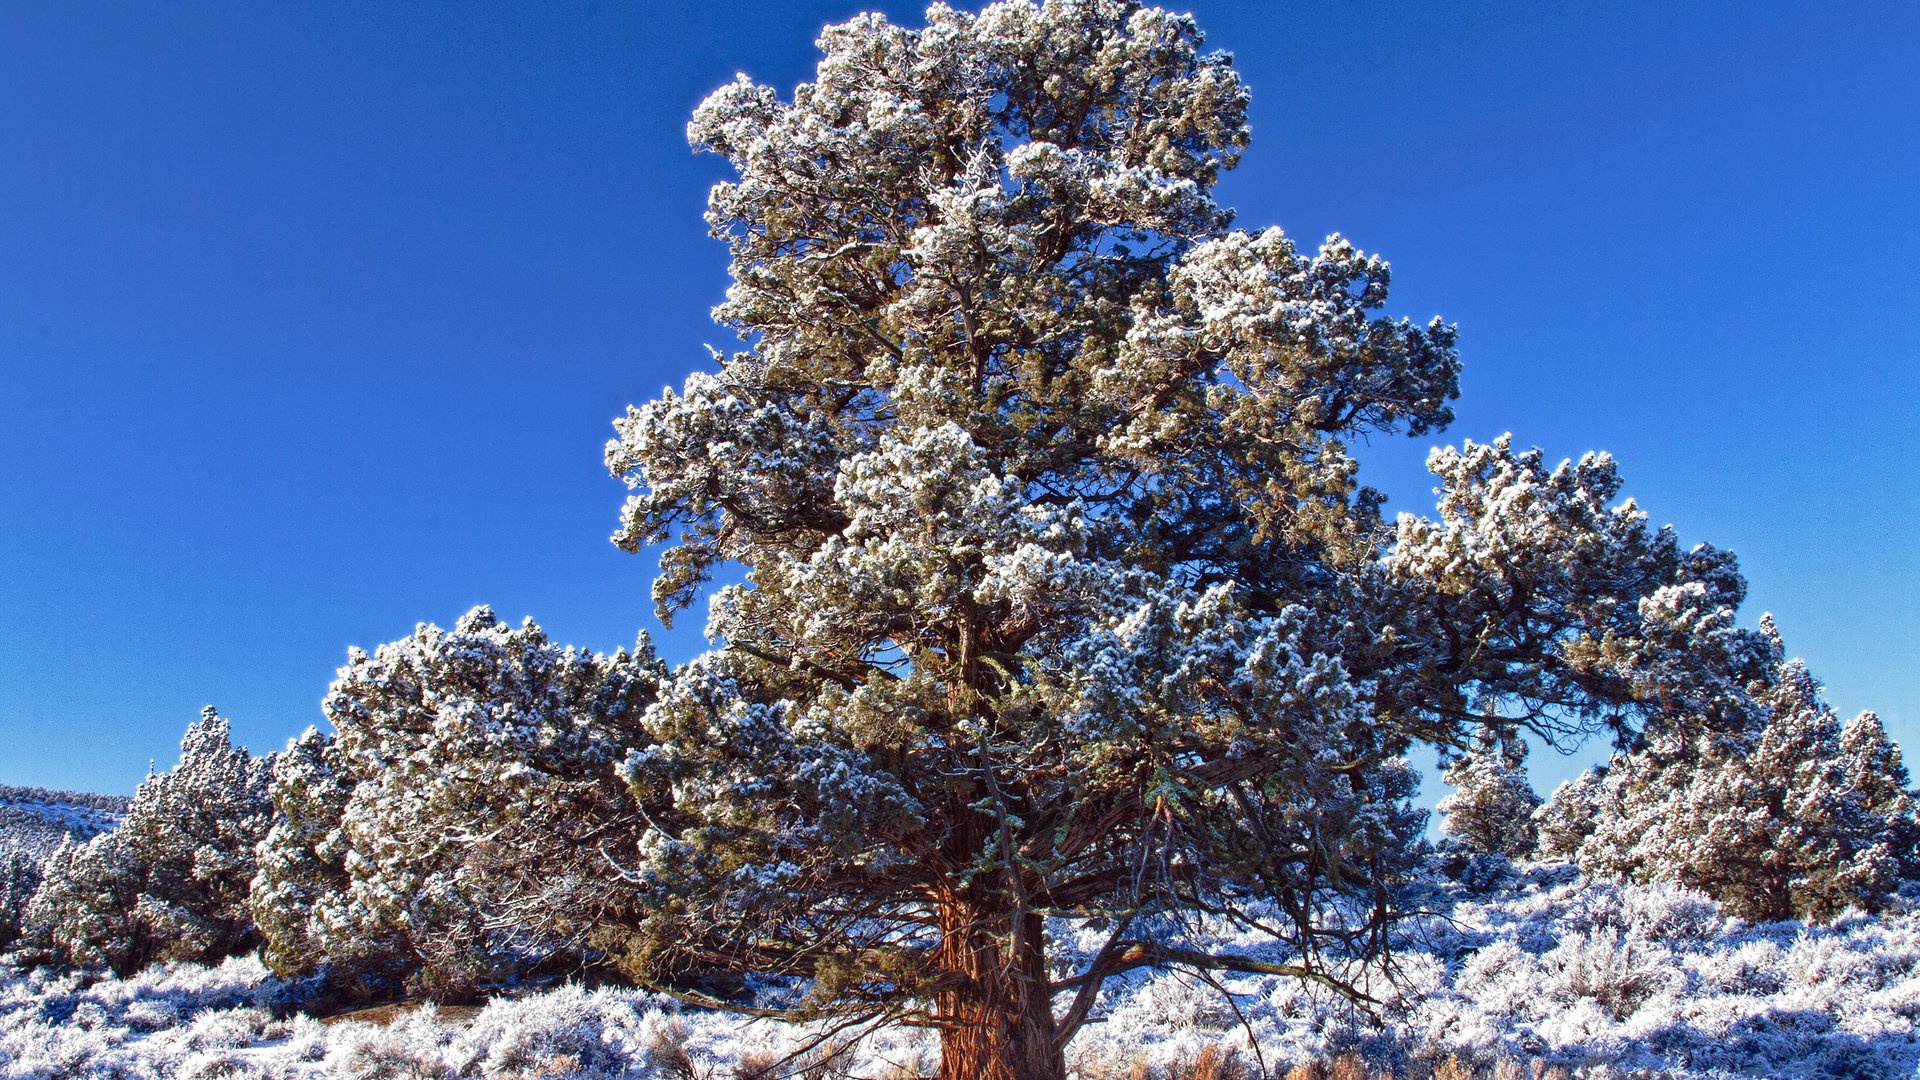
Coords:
pixel 995 1012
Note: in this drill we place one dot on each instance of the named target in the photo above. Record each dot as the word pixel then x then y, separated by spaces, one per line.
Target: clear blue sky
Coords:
pixel 313 317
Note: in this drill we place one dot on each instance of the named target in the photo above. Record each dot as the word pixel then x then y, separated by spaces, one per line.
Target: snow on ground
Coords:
pixel 1603 979
pixel 35 820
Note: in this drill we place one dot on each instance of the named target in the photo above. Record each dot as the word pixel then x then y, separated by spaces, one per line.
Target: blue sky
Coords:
pixel 313 317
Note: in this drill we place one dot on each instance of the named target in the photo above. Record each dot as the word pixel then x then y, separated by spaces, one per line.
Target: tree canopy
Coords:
pixel 171 882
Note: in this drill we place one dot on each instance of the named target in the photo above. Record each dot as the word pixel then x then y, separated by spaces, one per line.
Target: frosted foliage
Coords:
pixel 1490 810
pixel 171 882
pixel 456 818
pixel 1794 815
pixel 1567 817
pixel 1601 980
pixel 1635 620
pixel 1060 590
pixel 19 878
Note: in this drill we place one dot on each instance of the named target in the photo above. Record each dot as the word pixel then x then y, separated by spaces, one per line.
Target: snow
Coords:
pixel 1603 979
pixel 34 820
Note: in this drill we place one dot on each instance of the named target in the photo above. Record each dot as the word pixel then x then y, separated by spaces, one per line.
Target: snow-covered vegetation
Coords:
pixel 34 823
pixel 34 820
pixel 171 882
pixel 451 831
pixel 1059 720
pixel 1599 979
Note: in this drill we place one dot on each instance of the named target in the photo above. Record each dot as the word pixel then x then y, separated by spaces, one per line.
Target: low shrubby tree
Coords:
pixel 1061 597
pixel 171 882
pixel 1793 815
pixel 460 825
pixel 1567 817
pixel 19 879
pixel 1490 810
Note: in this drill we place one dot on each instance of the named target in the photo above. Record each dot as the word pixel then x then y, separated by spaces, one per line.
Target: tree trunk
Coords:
pixel 995 1013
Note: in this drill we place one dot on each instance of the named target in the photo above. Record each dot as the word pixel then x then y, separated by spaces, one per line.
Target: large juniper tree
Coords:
pixel 1061 597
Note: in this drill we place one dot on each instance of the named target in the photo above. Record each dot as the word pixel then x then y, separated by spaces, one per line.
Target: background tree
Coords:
pixel 19 878
pixel 1061 597
pixel 1790 815
pixel 171 882
pixel 1569 815
pixel 452 829
pixel 1490 810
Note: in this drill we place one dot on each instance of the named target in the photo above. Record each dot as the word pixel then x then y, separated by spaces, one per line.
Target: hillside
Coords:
pixel 34 820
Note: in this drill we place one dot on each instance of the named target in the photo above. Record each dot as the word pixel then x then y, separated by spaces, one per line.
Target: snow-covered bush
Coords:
pixel 171 882
pixel 1594 979
pixel 461 823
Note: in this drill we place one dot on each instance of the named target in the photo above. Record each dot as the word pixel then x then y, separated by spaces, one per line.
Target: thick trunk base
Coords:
pixel 996 1013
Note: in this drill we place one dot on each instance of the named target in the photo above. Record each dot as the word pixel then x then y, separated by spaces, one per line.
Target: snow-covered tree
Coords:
pixel 299 897
pixel 1061 595
pixel 19 878
pixel 171 882
pixel 1878 777
pixel 1568 816
pixel 1490 810
pixel 1792 815
pixel 452 827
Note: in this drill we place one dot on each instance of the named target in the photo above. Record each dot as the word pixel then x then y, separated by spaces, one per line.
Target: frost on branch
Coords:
pixel 460 823
pixel 1535 591
pixel 171 882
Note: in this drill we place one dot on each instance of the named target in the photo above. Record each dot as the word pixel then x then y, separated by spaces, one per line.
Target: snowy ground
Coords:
pixel 1602 979
pixel 35 820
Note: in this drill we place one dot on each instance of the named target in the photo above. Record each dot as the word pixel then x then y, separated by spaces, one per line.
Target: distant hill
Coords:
pixel 34 820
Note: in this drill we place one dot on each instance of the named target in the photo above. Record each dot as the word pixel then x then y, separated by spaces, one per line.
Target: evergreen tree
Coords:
pixel 299 897
pixel 1061 596
pixel 1878 777
pixel 451 829
pixel 19 878
pixel 1568 817
pixel 1793 816
pixel 1490 811
pixel 171 882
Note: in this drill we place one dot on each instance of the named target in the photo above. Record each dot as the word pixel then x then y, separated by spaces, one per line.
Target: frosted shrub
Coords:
pixel 1503 979
pixel 587 1034
pixel 1666 912
pixel 664 1050
pixel 414 1045
pixel 1659 911
pixel 227 1028
pixel 1594 979
pixel 1753 967
pixel 1179 1003
pixel 1613 971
